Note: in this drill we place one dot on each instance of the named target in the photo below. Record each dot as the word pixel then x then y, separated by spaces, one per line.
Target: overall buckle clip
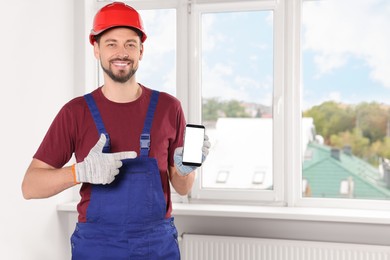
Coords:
pixel 145 141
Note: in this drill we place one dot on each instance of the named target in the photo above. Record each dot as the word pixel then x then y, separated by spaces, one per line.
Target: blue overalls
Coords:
pixel 126 219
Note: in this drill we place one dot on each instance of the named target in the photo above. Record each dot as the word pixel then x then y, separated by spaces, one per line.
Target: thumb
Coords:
pixel 124 155
pixel 100 144
pixel 179 151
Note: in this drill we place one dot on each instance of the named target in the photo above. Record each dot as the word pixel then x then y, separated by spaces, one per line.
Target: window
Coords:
pixel 158 66
pixel 295 96
pixel 346 95
pixel 237 87
pixel 237 90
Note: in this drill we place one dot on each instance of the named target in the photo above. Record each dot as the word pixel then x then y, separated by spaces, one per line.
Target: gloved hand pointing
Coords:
pixel 99 167
pixel 184 170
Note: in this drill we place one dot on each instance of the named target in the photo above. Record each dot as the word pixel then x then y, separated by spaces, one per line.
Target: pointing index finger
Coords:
pixel 125 155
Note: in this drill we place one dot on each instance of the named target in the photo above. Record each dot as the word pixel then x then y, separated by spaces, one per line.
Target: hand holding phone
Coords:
pixel 193 143
pixel 195 150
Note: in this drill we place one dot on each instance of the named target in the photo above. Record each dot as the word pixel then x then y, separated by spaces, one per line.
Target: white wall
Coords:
pixel 37 78
pixel 42 48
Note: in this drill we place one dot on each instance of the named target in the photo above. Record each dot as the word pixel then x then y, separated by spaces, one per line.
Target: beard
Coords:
pixel 121 76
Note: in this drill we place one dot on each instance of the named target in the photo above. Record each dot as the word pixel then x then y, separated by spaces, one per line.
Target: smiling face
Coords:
pixel 119 51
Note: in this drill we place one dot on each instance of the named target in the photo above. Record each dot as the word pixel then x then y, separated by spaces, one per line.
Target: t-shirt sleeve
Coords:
pixel 57 146
pixel 179 138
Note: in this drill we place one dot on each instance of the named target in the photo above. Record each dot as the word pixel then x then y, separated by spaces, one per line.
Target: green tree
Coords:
pixel 234 108
pixel 372 119
pixel 363 127
pixel 360 145
pixel 211 109
pixel 383 148
pixel 331 118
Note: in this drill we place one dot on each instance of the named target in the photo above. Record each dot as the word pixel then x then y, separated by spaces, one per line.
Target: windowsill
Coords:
pixel 261 212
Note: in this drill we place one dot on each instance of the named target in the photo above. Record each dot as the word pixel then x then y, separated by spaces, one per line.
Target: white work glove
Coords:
pixel 184 170
pixel 99 167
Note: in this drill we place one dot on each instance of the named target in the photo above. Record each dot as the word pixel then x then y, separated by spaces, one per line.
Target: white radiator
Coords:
pixel 202 247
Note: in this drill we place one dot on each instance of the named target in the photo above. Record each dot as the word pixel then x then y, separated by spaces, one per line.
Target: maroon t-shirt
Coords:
pixel 73 131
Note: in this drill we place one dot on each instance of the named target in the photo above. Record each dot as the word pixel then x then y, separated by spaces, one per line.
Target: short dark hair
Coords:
pixel 140 34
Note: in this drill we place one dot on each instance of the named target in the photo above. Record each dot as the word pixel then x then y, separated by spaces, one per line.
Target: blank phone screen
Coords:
pixel 193 142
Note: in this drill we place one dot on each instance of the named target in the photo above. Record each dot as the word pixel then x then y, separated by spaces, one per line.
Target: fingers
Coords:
pixel 206 145
pixel 100 144
pixel 206 142
pixel 205 151
pixel 118 164
pixel 124 155
pixel 110 179
pixel 114 171
pixel 179 151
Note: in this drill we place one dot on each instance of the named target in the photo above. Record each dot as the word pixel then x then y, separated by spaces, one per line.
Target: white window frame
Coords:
pixel 274 196
pixel 287 118
pixel 294 194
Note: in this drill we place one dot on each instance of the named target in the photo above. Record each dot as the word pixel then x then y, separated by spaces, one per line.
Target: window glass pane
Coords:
pixel 157 69
pixel 158 66
pixel 237 90
pixel 346 99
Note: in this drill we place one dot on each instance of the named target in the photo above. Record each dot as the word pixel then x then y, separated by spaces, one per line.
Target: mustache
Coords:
pixel 121 59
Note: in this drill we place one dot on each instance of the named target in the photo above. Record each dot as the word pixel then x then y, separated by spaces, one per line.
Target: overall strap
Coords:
pixel 98 120
pixel 145 136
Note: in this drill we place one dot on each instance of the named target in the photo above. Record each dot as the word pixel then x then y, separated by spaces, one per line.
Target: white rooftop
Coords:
pixel 241 153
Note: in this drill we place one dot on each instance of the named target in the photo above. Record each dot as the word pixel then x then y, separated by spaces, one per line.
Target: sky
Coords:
pixel 157 69
pixel 345 53
pixel 232 67
pixel 237 60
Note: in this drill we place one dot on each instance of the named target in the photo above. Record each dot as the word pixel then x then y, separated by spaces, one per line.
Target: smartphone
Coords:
pixel 193 143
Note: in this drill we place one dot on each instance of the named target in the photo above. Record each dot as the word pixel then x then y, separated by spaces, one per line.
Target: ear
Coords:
pixel 96 50
pixel 141 51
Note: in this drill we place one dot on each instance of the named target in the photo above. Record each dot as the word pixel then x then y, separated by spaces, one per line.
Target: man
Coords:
pixel 127 141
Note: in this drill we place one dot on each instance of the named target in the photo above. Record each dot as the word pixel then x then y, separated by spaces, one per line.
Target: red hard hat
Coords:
pixel 114 15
